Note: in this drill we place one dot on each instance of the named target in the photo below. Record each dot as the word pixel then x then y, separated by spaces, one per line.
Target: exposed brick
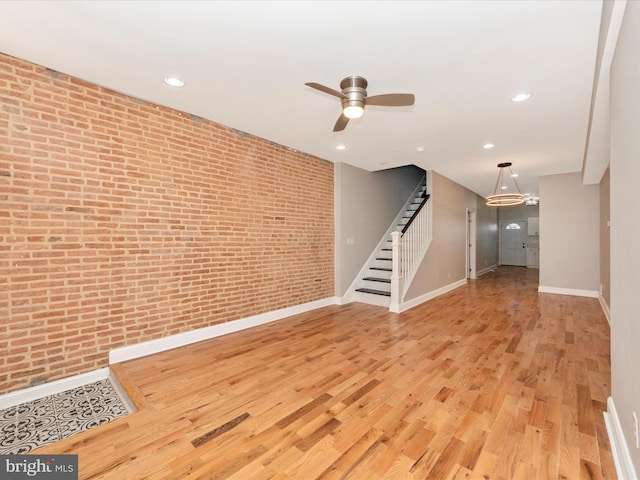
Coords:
pixel 123 221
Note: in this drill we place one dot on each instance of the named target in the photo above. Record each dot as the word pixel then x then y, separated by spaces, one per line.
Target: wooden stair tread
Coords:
pixel 374 292
pixel 376 279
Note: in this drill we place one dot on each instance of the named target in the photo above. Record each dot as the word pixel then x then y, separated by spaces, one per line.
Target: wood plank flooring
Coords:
pixel 490 381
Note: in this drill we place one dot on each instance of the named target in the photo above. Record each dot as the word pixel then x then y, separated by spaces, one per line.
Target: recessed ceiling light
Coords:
pixel 504 187
pixel 420 149
pixel 488 146
pixel 174 81
pixel 521 97
pixel 341 147
pixel 514 175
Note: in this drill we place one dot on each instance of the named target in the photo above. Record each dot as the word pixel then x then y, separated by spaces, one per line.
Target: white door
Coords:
pixel 513 242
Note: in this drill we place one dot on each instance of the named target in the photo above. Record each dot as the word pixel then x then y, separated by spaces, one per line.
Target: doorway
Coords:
pixel 471 244
pixel 513 242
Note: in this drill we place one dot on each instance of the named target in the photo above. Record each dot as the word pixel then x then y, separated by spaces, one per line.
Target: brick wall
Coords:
pixel 123 221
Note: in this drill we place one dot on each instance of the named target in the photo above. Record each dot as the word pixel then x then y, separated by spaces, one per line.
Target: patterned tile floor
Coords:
pixel 30 425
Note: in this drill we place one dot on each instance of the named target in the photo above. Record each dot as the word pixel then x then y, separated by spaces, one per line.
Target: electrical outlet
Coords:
pixel 635 429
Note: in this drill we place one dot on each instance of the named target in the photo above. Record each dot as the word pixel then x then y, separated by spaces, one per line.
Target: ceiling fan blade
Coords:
pixel 392 100
pixel 324 89
pixel 341 123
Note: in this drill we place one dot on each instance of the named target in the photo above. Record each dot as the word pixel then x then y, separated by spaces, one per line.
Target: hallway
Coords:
pixel 490 381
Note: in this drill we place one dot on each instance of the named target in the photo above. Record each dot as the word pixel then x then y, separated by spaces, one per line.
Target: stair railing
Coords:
pixel 408 247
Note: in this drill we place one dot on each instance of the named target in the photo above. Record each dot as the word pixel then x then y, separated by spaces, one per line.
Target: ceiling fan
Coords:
pixel 354 98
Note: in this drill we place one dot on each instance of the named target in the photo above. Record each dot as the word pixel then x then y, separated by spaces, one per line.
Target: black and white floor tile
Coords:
pixel 30 425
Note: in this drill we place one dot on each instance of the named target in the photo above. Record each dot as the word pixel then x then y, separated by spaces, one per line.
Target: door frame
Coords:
pixel 526 225
pixel 470 248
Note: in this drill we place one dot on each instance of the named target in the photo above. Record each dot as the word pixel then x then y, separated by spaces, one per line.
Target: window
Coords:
pixel 512 226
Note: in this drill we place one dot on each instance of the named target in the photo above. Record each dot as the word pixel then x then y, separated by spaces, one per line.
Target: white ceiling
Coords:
pixel 245 65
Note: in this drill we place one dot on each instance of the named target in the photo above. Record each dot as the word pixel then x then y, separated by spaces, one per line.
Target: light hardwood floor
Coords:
pixel 490 381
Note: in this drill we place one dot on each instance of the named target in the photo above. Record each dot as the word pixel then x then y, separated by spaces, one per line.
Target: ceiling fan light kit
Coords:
pixel 353 96
pixel 505 199
pixel 354 90
pixel 353 111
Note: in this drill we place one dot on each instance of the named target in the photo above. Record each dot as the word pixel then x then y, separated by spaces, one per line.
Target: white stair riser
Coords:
pixel 382 264
pixel 382 286
pixel 371 299
pixel 379 274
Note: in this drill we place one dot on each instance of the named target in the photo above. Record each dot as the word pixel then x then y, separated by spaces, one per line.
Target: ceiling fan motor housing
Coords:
pixel 355 90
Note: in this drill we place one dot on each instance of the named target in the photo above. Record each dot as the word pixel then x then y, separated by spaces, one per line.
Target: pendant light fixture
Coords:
pixel 505 199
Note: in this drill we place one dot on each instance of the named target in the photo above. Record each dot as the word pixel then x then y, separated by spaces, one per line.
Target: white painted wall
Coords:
pixel 486 235
pixel 625 227
pixel 569 235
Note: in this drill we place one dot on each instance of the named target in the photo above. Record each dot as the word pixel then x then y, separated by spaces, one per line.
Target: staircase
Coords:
pixel 375 287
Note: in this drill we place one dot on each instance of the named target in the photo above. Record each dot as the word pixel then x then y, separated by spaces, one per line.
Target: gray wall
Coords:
pixel 519 212
pixel 365 205
pixel 605 244
pixel 625 229
pixel 569 233
pixel 486 235
pixel 445 261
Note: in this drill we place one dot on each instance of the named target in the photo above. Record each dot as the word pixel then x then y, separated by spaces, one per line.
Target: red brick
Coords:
pixel 131 221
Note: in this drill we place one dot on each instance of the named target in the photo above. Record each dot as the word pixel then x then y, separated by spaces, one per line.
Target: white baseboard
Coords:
pixel 427 296
pixel 344 300
pixel 181 339
pixel 154 346
pixel 33 393
pixel 569 291
pixel 619 448
pixel 486 270
pixel 605 308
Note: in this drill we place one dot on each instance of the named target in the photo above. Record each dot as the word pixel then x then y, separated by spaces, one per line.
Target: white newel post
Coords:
pixel 396 276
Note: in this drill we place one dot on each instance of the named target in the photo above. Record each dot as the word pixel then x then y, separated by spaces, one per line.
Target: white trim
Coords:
pixel 569 291
pixel 173 341
pixel 487 270
pixel 596 154
pixel 428 296
pixel 344 300
pixel 51 388
pixel 471 245
pixel 619 447
pixel 605 308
